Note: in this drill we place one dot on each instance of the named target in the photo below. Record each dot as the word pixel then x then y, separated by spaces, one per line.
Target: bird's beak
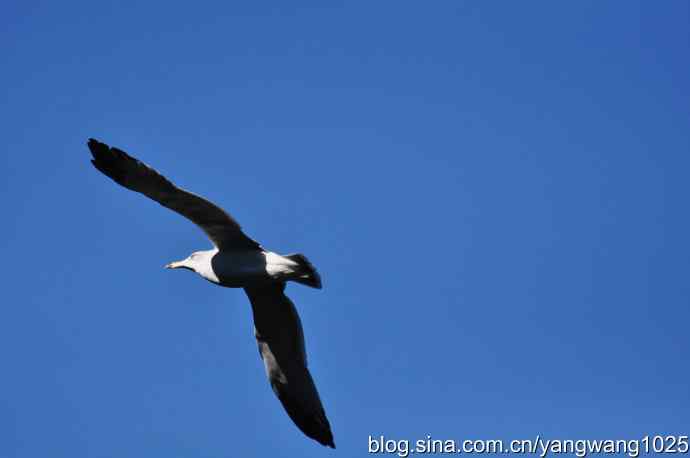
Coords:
pixel 175 265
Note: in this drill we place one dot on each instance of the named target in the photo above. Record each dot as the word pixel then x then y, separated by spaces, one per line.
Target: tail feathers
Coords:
pixel 309 275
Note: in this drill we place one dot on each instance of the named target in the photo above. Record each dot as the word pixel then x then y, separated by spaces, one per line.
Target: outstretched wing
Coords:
pixel 278 332
pixel 133 174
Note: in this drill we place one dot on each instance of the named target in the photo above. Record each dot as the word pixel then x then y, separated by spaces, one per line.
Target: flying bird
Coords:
pixel 237 261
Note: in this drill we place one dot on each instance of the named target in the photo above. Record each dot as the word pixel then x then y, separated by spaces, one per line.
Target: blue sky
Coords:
pixel 495 194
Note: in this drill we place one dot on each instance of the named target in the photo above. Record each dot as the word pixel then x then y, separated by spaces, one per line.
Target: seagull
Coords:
pixel 237 261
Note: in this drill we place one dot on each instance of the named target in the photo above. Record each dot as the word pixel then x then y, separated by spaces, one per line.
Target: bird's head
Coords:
pixel 191 263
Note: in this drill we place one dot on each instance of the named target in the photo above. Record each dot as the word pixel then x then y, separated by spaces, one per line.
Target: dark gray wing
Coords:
pixel 278 332
pixel 133 174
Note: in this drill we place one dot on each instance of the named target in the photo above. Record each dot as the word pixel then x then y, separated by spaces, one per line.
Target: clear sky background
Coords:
pixel 495 193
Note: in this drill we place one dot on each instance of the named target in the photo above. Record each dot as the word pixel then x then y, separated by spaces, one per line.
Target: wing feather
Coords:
pixel 133 174
pixel 278 332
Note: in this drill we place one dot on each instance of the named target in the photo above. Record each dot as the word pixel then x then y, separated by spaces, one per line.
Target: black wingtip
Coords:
pixel 98 149
pixel 318 429
pixel 313 424
pixel 108 161
pixel 323 437
pixel 326 439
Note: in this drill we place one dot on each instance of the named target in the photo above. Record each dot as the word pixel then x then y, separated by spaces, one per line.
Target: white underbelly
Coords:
pixel 241 269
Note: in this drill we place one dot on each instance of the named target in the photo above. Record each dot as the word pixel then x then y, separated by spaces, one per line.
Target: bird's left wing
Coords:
pixel 133 174
pixel 279 335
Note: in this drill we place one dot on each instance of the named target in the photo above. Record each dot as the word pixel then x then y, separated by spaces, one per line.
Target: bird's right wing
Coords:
pixel 133 174
pixel 278 332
